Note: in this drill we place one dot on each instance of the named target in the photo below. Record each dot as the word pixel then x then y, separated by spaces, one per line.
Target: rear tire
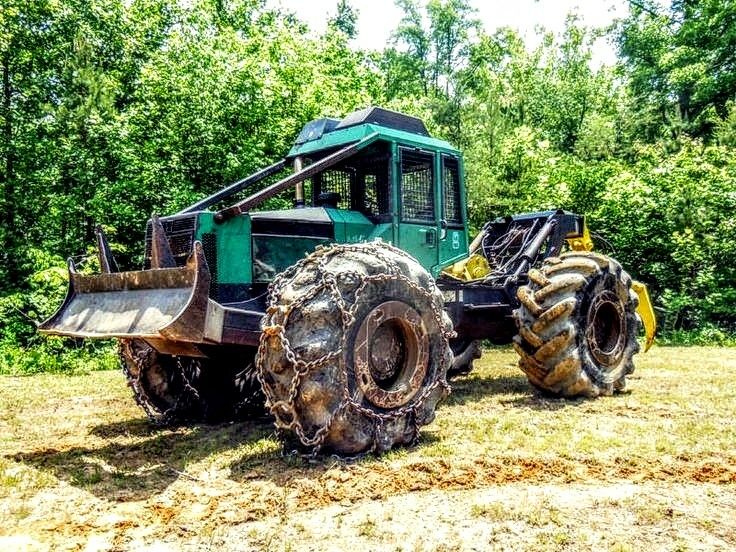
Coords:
pixel 354 350
pixel 577 326
pixel 178 389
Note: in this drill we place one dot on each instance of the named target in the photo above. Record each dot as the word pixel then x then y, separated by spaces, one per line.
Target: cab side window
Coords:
pixel 451 211
pixel 336 183
pixel 417 190
pixel 360 183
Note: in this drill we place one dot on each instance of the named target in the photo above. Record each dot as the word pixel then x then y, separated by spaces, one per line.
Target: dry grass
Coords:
pixel 80 466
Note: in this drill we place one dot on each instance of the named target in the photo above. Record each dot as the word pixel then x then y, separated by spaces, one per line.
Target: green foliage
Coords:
pixel 345 20
pixel 22 350
pixel 681 63
pixel 670 216
pixel 113 109
pixel 708 334
pixel 57 355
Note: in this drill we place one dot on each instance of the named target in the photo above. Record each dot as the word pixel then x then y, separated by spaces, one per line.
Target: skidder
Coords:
pixel 345 314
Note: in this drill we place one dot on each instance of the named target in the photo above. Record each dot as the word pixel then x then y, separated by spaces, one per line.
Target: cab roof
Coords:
pixel 392 126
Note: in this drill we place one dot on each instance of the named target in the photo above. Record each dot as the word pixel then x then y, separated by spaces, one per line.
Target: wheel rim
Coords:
pixel 391 354
pixel 606 328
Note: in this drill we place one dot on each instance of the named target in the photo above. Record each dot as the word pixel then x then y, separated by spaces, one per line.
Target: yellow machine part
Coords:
pixel 473 268
pixel 583 243
pixel 476 267
pixel 646 313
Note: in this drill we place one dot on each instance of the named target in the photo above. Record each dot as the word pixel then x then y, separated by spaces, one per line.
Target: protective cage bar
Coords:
pixel 362 182
pixel 417 185
pixel 340 181
pixel 234 188
pixel 283 184
pixel 451 212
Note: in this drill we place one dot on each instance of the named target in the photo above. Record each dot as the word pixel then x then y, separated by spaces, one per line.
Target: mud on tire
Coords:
pixel 577 326
pixel 173 389
pixel 354 350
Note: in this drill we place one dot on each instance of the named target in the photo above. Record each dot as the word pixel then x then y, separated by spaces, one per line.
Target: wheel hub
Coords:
pixel 388 352
pixel 606 329
pixel 391 354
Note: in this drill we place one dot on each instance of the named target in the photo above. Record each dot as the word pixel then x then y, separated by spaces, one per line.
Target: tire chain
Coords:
pixel 249 406
pixel 143 359
pixel 328 281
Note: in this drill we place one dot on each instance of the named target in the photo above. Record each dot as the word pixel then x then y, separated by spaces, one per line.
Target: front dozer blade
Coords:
pixel 163 303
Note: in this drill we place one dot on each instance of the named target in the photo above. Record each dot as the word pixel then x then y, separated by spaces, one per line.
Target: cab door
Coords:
pixel 418 223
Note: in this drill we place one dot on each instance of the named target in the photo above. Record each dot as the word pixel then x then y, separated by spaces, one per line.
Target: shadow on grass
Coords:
pixel 140 459
pixel 138 427
pixel 469 389
pixel 122 470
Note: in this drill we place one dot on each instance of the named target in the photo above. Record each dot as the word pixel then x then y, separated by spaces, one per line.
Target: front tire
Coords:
pixel 178 389
pixel 354 351
pixel 577 326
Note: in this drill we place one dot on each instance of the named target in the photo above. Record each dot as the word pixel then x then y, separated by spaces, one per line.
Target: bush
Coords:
pixel 22 349
pixel 55 354
pixel 707 335
pixel 670 218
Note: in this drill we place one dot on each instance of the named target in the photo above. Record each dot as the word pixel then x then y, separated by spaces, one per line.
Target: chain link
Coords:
pixel 144 358
pixel 276 322
pixel 126 351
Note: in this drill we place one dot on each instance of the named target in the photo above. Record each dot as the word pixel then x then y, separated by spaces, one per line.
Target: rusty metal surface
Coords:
pixel 104 255
pixel 307 355
pixel 119 313
pixel 189 324
pixel 606 328
pixel 169 303
pixel 168 307
pixel 177 348
pixel 391 354
pixel 161 255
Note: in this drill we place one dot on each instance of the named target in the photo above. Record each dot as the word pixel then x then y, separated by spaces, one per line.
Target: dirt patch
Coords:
pixel 622 516
pixel 376 482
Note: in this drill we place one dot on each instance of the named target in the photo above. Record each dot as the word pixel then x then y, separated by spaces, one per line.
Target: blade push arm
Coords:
pixel 235 187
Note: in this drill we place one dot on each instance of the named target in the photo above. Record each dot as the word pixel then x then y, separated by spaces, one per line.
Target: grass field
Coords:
pixel 501 467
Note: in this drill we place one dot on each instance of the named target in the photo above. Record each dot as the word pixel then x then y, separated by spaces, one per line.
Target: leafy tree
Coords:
pixel 23 37
pixel 345 20
pixel 427 61
pixel 681 62
pixel 670 219
pixel 406 63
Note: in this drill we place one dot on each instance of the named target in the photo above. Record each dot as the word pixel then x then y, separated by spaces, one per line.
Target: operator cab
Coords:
pixel 404 187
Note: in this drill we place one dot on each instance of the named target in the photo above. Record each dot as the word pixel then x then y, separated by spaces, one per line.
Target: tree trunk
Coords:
pixel 7 177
